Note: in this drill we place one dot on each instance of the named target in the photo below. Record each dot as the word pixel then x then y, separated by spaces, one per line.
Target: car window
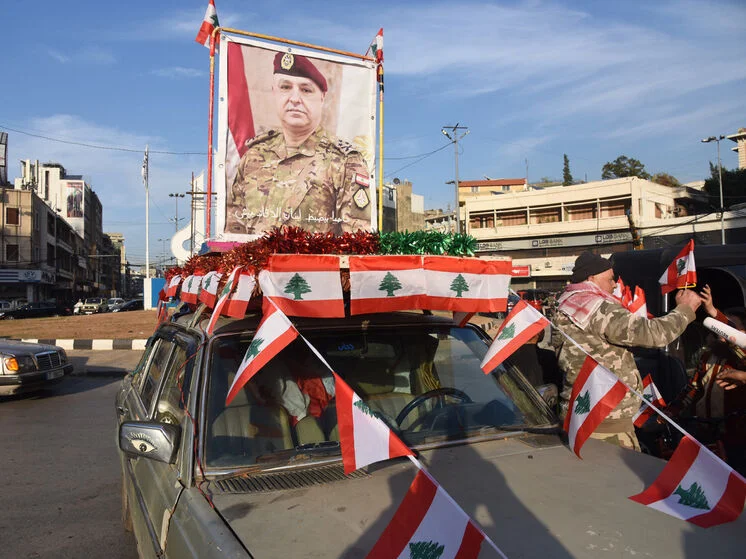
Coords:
pixel 155 370
pixel 174 397
pixel 425 382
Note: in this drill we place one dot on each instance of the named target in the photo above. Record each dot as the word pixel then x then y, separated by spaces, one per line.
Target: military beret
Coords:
pixel 588 264
pixel 300 66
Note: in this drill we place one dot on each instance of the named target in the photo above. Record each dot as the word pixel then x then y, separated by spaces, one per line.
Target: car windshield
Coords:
pixel 423 381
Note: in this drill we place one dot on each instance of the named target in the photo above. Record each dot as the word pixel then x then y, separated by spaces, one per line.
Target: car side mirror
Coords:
pixel 550 394
pixel 149 439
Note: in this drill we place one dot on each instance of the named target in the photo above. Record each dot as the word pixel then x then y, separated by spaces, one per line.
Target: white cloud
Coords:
pixel 177 72
pixel 58 56
pixel 95 55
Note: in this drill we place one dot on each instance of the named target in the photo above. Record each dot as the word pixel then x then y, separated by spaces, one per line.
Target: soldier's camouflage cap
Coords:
pixel 299 66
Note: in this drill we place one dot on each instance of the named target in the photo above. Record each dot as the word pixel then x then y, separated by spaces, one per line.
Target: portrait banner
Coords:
pixel 296 141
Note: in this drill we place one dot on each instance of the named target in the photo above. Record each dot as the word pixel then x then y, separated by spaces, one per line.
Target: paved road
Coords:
pixel 61 489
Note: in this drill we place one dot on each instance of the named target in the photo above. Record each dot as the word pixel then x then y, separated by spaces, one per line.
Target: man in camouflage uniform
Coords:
pixel 300 175
pixel 590 315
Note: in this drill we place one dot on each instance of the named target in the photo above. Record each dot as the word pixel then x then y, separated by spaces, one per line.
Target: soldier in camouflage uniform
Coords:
pixel 301 175
pixel 591 316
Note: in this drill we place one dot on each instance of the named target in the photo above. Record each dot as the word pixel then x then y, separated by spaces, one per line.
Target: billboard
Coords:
pixel 296 141
pixel 3 158
pixel 73 194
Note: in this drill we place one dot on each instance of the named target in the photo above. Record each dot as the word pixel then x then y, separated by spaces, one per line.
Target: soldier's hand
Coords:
pixel 689 298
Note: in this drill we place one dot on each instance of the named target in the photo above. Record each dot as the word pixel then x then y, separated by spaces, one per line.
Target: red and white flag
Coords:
pixel 466 284
pixel 681 273
pixel 190 288
pixel 304 284
pixel 595 393
pixel 696 486
pixel 275 332
pixel 376 47
pixel 225 293
pixel 385 283
pixel 650 394
pixel 173 286
pixel 363 436
pixel 638 305
pixel 428 523
pixel 208 293
pixel 522 324
pixel 209 23
pixel 619 289
pixel 239 301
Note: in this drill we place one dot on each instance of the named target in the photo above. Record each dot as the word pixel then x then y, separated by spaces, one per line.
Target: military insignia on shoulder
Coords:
pixel 362 180
pixel 345 147
pixel 287 61
pixel 260 138
pixel 361 198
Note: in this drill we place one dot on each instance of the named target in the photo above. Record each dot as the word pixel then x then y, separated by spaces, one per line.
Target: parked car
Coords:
pixel 94 305
pixel 113 302
pixel 25 367
pixel 36 310
pixel 133 305
pixel 253 479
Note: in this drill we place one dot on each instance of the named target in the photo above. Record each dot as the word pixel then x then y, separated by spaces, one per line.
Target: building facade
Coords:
pixel 546 229
pixel 402 209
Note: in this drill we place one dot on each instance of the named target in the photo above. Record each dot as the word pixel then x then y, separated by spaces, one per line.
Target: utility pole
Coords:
pixel 720 178
pixel 176 196
pixel 455 130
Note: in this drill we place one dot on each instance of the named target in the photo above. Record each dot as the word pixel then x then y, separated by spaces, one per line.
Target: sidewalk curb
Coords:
pixel 105 345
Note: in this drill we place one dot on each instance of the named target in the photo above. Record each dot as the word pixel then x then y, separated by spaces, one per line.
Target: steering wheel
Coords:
pixel 439 393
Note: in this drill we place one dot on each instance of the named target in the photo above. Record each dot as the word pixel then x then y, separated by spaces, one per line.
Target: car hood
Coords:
pixel 25 348
pixel 532 497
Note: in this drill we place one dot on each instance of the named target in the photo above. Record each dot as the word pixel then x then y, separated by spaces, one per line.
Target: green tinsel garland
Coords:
pixel 427 242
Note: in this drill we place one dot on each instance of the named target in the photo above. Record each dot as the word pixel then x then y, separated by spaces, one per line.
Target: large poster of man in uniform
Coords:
pixel 74 199
pixel 296 137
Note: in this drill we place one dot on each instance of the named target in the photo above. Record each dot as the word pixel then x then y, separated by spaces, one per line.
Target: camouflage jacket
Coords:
pixel 611 330
pixel 322 186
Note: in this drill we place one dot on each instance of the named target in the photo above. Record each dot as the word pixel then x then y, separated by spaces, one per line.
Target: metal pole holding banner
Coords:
pixel 380 153
pixel 214 38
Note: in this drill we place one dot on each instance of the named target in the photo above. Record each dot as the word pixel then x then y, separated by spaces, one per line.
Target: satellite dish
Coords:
pixel 396 180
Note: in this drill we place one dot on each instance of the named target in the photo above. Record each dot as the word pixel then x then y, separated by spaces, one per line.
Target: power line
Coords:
pixel 95 146
pixel 424 156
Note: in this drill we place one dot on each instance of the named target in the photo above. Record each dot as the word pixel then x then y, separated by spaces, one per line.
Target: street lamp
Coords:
pixel 455 130
pixel 720 178
pixel 164 249
pixel 176 196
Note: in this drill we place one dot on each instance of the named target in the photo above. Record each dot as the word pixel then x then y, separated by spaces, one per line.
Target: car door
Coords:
pixel 161 393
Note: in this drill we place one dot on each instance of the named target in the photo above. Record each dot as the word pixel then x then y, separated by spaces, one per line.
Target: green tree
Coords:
pixel 507 333
pixel 297 286
pixel 734 186
pixel 425 550
pixel 389 284
pixel 253 349
pixel 624 166
pixel 665 179
pixel 583 403
pixel 459 285
pixel 566 175
pixel 693 497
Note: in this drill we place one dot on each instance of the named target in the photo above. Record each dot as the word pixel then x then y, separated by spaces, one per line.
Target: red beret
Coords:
pixel 300 66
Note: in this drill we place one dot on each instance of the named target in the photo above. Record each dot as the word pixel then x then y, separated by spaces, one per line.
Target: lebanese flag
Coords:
pixel 638 306
pixel 275 332
pixel 428 523
pixel 161 311
pixel 522 324
pixel 209 23
pixel 304 284
pixel 619 289
pixel 222 301
pixel 696 486
pixel 209 292
pixel 385 283
pixel 649 393
pixel 681 273
pixel 173 285
pixel 190 289
pixel 595 393
pixel 239 301
pixel 466 284
pixel 364 438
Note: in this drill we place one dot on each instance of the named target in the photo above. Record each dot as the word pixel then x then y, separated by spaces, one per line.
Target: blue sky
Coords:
pixel 532 80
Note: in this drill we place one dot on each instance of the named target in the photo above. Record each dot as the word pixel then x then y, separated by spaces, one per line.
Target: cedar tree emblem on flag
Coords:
pixel 297 286
pixel 459 285
pixel 682 272
pixel 389 284
pixel 209 23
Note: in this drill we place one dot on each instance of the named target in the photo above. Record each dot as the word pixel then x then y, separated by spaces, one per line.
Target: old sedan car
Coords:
pixel 262 476
pixel 25 367
pixel 36 310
